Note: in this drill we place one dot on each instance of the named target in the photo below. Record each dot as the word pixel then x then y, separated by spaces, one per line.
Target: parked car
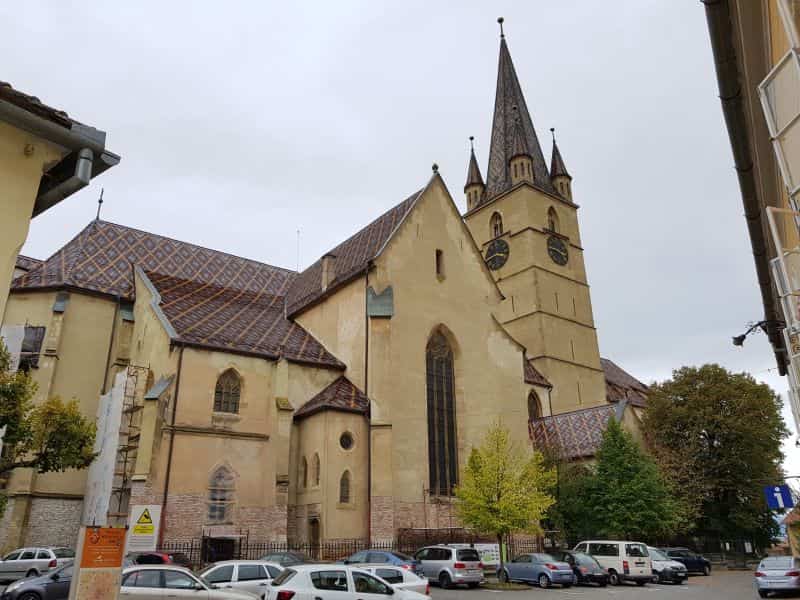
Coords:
pixel 333 582
pixel 694 563
pixel 158 558
pixel 288 558
pixel 53 585
pixel 623 560
pixel 449 566
pixel 777 574
pixel 665 569
pixel 32 562
pixel 585 568
pixel 385 556
pixel 540 568
pixel 145 582
pixel 250 575
pixel 400 578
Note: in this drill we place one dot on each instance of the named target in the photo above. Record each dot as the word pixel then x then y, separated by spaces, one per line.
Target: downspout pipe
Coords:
pixel 366 393
pixel 731 95
pixel 169 453
pixel 79 180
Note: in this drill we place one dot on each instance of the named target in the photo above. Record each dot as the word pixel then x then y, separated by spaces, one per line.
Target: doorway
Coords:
pixel 313 537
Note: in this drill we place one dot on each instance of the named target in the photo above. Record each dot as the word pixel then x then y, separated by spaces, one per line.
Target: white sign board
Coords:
pixel 489 553
pixel 143 528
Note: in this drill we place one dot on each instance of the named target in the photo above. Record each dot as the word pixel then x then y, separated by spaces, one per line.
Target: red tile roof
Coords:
pixel 621 385
pixel 351 258
pixel 211 298
pixel 340 395
pixel 575 434
pixel 533 376
pixel 26 263
pixel 33 105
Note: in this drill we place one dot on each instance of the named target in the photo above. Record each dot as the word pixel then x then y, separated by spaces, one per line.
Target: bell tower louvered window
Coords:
pixel 442 460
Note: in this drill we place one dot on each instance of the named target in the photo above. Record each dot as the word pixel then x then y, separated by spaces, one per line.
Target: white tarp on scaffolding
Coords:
pixel 12 338
pixel 100 479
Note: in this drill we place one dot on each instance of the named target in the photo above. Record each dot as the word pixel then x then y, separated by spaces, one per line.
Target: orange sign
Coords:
pixel 103 547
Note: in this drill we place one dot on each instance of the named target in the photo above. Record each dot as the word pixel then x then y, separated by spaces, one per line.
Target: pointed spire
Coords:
pixel 504 126
pixel 557 166
pixel 519 145
pixel 474 176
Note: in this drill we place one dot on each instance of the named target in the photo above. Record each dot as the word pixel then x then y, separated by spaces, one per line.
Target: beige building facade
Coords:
pixel 335 403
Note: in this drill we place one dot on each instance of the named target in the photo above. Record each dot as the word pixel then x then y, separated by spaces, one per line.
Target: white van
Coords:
pixel 624 561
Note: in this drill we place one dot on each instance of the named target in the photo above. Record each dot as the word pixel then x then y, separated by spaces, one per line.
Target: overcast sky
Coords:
pixel 240 122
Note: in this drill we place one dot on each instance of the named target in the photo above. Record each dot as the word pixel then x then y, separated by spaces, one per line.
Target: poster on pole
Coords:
pixel 143 527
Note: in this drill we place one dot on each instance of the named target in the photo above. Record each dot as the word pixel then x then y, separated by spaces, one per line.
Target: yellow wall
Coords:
pixel 23 159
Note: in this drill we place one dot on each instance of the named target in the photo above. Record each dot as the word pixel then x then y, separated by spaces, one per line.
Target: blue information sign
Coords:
pixel 779 497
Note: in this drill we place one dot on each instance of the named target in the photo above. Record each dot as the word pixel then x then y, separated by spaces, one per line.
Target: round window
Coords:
pixel 346 440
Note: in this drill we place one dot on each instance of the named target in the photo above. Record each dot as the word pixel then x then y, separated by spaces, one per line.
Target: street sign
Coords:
pixel 779 497
pixel 143 532
pixel 103 547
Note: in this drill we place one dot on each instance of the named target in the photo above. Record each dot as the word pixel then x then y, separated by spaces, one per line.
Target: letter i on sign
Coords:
pixel 779 497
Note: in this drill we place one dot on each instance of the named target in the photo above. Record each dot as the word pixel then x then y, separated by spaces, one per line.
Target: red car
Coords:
pixel 158 558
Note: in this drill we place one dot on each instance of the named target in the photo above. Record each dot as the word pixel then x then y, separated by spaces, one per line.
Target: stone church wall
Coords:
pixel 53 522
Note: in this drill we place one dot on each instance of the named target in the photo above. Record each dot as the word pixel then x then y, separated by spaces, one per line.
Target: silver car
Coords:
pixel 450 566
pixel 151 582
pixel 32 562
pixel 249 575
pixel 777 574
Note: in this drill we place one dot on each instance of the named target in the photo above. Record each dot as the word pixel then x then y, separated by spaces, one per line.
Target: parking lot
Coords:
pixel 721 585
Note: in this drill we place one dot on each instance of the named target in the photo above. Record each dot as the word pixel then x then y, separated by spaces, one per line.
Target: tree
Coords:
pixel 51 436
pixel 505 487
pixel 629 497
pixel 718 437
pixel 573 514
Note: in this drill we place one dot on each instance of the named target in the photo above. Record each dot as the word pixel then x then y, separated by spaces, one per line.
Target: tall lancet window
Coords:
pixel 442 461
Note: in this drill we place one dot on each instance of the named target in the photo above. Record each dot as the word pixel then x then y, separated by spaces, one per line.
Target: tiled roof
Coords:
pixel 340 395
pixel 351 258
pixel 509 95
pixel 26 263
pixel 212 299
pixel 557 166
pixel 533 376
pixel 473 171
pixel 575 434
pixel 621 385
pixel 32 104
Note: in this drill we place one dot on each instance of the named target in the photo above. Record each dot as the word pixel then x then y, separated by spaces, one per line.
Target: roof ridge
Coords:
pixel 600 407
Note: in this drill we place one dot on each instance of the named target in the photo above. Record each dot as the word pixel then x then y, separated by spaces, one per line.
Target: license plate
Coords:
pixel 474 571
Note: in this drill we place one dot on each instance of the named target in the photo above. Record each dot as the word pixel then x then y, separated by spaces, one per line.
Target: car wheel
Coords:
pixel 706 570
pixel 472 585
pixel 444 581
pixel 613 578
pixel 762 593
pixel 32 573
pixel 503 577
pixel 544 581
pixel 29 596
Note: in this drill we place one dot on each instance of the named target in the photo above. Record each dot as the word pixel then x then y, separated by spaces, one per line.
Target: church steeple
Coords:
pixel 561 178
pixel 504 128
pixel 521 162
pixel 474 187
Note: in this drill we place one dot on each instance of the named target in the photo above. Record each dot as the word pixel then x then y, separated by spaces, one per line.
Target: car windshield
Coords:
pixel 543 558
pixel 657 554
pixel 401 556
pixel 284 577
pixel 776 562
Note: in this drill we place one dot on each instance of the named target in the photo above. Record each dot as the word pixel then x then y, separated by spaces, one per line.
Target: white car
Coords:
pixel 250 575
pixel 624 561
pixel 146 582
pixel 400 578
pixel 334 582
pixel 665 569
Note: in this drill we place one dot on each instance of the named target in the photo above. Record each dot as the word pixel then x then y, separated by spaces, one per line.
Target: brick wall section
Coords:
pixel 382 519
pixel 54 522
pixel 143 493
pixel 435 513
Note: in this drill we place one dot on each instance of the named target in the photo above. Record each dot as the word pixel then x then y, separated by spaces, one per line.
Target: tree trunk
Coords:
pixel 500 546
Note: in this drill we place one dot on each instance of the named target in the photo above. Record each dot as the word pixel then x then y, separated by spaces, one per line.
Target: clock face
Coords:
pixel 557 250
pixel 496 254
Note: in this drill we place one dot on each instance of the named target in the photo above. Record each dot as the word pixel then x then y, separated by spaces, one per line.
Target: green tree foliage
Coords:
pixel 572 513
pixel 51 436
pixel 718 438
pixel 504 487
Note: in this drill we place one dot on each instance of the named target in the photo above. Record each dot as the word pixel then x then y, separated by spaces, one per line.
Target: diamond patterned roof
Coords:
pixel 211 298
pixel 576 434
pixel 339 395
pixel 351 258
pixel 26 263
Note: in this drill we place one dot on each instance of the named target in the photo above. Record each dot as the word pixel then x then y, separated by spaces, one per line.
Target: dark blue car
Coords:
pixel 54 585
pixel 694 563
pixel 383 557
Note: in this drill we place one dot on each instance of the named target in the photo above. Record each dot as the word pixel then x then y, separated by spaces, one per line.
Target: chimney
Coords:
pixel 328 270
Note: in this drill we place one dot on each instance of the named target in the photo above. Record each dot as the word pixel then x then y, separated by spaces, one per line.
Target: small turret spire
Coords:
pixel 474 187
pixel 557 166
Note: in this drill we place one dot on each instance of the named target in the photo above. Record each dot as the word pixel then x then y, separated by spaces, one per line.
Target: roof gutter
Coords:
pixel 87 157
pixel 721 33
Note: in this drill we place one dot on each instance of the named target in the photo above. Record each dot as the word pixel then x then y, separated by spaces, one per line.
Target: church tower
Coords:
pixel 526 223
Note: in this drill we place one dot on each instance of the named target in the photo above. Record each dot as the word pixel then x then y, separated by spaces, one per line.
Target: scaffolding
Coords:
pixel 136 384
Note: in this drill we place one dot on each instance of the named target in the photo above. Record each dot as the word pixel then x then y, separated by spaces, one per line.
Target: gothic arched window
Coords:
pixel 496 223
pixel 317 469
pixel 220 495
pixel 344 488
pixel 226 394
pixel 440 384
pixel 534 406
pixel 304 472
pixel 552 220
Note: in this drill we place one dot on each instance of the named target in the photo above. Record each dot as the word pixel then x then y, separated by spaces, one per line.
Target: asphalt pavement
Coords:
pixel 721 585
